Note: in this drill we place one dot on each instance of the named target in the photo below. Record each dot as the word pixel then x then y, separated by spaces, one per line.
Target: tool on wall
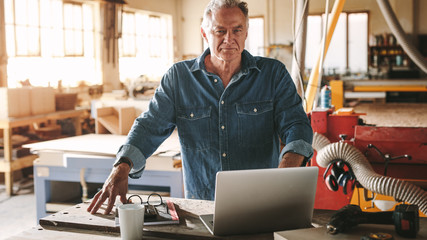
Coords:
pixel 113 13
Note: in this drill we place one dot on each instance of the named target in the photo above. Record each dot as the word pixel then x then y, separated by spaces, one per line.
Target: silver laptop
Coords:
pixel 262 200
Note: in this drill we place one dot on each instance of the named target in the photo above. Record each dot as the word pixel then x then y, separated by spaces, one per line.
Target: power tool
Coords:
pixel 405 218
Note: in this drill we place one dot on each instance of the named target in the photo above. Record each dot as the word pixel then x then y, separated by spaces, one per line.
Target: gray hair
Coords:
pixel 215 5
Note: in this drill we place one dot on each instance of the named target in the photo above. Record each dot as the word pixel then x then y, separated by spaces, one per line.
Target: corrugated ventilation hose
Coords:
pixel 399 189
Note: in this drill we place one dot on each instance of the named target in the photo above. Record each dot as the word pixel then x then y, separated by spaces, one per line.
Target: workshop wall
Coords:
pixel 278 18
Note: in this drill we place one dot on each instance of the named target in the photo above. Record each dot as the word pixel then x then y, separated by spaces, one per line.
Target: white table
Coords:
pixel 89 159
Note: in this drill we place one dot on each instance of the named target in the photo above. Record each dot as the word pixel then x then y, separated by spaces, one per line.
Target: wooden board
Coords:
pixel 190 226
pixel 99 144
pixel 353 234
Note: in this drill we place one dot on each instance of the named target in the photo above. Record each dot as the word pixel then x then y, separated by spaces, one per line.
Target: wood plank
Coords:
pixel 23 162
pixel 127 116
pixel 99 144
pixel 28 120
pixel 17 164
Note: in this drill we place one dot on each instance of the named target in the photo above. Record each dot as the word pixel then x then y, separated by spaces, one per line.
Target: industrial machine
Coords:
pixel 392 158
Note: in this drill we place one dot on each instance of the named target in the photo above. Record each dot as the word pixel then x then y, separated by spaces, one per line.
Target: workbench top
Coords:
pixel 77 223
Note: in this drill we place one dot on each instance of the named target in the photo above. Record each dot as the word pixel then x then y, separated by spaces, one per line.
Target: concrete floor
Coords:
pixel 18 213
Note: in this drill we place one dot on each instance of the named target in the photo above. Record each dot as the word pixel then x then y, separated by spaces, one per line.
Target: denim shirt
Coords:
pixel 237 127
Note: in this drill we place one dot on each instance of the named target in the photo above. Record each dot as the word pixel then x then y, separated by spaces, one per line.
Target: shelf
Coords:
pixel 388 56
pixel 8 164
pixel 17 164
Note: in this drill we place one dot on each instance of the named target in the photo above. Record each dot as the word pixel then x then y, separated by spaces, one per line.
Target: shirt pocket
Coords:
pixel 194 127
pixel 255 123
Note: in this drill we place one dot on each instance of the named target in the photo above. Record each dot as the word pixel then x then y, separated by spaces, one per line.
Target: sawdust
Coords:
pixel 394 114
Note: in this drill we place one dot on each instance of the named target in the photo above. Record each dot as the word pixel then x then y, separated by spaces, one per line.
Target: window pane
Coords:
pixel 73 27
pixel 33 13
pixel 128 35
pixel 21 40
pixel 21 14
pixel 314 33
pixel 33 41
pixel 255 41
pixel 358 42
pixel 8 11
pixel 336 57
pixel 10 40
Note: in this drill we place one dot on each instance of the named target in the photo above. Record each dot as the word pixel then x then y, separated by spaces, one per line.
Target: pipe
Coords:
pixel 83 184
pixel 400 35
pixel 399 189
pixel 298 53
pixel 312 85
pixel 319 141
pixel 322 55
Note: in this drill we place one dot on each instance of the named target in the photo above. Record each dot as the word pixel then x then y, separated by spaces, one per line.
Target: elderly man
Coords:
pixel 231 109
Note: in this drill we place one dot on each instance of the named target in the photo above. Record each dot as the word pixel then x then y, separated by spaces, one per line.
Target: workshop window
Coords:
pixel 23 27
pixel 146 46
pixel 348 49
pixel 50 39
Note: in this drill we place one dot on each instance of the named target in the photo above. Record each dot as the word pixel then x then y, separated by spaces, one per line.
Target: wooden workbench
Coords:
pixel 77 223
pixel 8 164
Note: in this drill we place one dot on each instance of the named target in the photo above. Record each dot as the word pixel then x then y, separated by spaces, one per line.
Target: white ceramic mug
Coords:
pixel 131 219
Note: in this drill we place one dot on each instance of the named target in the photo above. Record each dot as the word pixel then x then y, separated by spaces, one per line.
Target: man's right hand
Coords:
pixel 116 184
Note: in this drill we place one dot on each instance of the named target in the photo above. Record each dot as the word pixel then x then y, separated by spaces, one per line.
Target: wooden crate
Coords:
pixel 42 100
pixel 14 102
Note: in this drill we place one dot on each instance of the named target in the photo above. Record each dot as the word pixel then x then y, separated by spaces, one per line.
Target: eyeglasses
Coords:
pixel 154 199
pixel 153 206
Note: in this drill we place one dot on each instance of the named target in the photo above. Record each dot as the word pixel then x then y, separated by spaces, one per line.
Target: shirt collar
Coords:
pixel 248 62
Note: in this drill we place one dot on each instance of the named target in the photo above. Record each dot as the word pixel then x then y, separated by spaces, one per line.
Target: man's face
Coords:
pixel 227 34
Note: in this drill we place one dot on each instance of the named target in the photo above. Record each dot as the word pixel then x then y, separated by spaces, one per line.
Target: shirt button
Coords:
pixel 224 155
pixel 216 80
pixel 191 115
pixel 255 110
pixel 222 102
pixel 222 127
